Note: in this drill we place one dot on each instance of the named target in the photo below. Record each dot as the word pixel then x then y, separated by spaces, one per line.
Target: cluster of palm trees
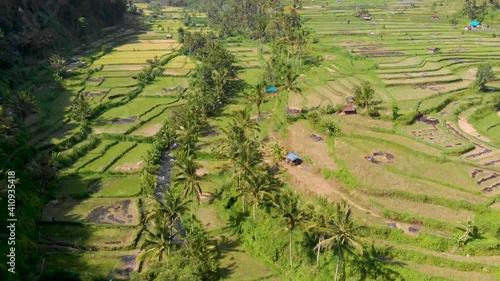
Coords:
pixel 332 227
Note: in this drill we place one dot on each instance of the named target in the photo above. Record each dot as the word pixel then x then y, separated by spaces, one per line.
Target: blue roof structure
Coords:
pixel 475 23
pixel 272 89
pixel 292 156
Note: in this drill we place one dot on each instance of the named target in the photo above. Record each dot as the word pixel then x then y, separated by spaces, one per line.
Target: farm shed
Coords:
pixel 293 159
pixel 433 50
pixel 474 23
pixel 349 109
pixel 169 36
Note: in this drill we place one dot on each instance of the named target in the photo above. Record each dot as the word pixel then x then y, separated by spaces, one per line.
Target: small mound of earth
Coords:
pixel 173 89
pixel 392 224
pixel 97 79
pixel 380 157
pixel 316 137
pixel 428 120
pixel 414 228
pixel 432 87
pixel 292 111
pixel 130 167
pixel 128 120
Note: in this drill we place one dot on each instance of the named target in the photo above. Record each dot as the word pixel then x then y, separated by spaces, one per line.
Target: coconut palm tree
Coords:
pixel 342 235
pixel 44 168
pixel 372 263
pixel 171 207
pixel 23 104
pixel 287 203
pixel 80 108
pixel 242 119
pixel 257 96
pixel 316 224
pixel 290 79
pixel 187 178
pixel 259 187
pixel 158 240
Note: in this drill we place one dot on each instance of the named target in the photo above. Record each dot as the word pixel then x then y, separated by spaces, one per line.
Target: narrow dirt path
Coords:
pixel 308 181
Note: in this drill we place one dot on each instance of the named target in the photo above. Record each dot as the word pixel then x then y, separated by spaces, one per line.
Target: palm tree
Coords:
pixel 316 224
pixel 278 152
pixel 158 240
pixel 43 168
pixel 288 205
pixel 23 105
pixel 80 108
pixel 342 235
pixel 290 79
pixel 372 264
pixel 259 187
pixel 187 178
pixel 170 209
pixel 364 94
pixel 242 119
pixel 257 96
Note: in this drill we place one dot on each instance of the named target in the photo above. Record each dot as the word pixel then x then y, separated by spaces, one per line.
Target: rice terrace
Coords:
pixel 251 140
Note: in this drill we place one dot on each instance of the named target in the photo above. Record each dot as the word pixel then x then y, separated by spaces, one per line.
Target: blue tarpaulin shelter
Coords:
pixel 475 23
pixel 293 159
pixel 272 89
pixel 292 156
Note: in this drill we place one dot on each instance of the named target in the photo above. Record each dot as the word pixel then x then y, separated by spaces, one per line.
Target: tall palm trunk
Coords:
pixel 319 250
pixel 291 261
pixel 254 207
pixel 338 263
pixel 192 217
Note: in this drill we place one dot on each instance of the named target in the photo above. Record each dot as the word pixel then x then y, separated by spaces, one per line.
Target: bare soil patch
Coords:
pixel 116 214
pixel 128 120
pixel 130 167
pixel 299 141
pixel 201 172
pixel 469 129
pixel 206 196
pixel 148 131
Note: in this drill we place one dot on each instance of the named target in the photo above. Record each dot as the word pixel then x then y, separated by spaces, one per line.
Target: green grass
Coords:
pixel 75 185
pixel 236 264
pixel 133 157
pixel 116 186
pixel 94 153
pixel 161 83
pixel 100 263
pixel 93 236
pixel 102 163
pixel 489 126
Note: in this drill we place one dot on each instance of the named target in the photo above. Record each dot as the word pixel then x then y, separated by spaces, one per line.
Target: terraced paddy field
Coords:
pixel 412 184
